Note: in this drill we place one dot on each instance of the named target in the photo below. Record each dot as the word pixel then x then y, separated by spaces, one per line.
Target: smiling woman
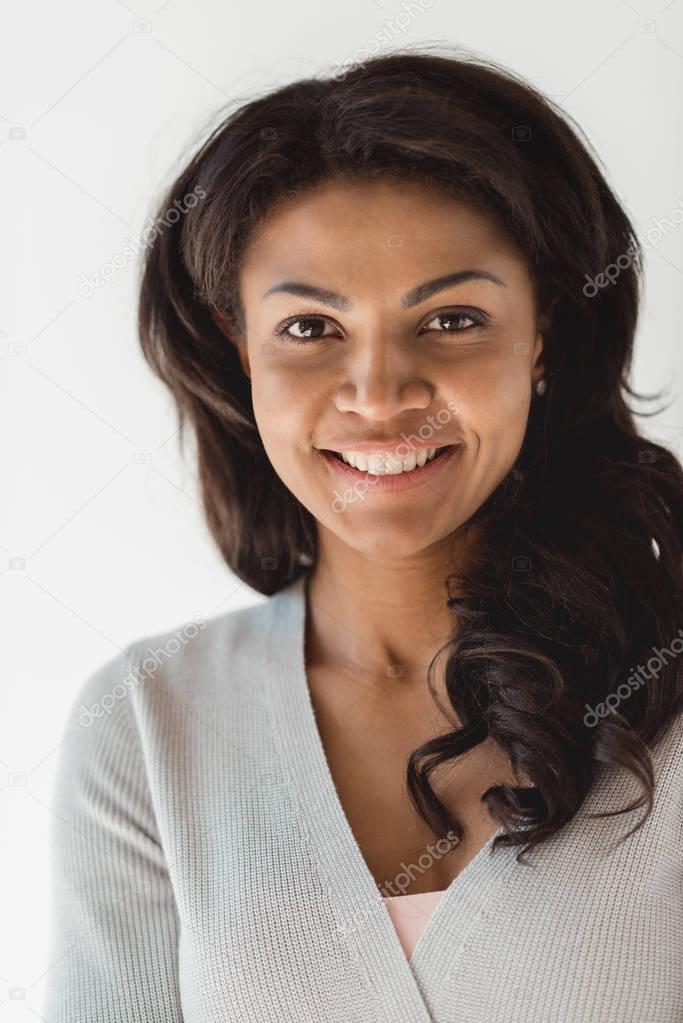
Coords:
pixel 374 365
pixel 414 439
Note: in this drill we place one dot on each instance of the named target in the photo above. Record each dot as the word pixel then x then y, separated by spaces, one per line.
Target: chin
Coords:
pixel 387 538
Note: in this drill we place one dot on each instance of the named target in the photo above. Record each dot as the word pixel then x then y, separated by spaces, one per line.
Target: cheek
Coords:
pixel 285 410
pixel 494 402
pixel 275 394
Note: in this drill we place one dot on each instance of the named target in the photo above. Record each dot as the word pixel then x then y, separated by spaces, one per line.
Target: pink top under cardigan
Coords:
pixel 409 914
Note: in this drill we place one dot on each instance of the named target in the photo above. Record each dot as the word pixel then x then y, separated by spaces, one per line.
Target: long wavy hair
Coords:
pixel 576 576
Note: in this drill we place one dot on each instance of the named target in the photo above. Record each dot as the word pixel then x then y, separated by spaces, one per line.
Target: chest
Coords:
pixel 368 740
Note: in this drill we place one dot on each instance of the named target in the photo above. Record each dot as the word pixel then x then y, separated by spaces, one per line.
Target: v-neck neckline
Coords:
pixel 401 981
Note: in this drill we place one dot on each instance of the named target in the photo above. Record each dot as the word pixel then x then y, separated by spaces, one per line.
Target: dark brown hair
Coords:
pixel 577 576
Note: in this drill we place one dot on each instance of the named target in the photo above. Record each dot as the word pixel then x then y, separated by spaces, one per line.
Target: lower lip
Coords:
pixel 392 483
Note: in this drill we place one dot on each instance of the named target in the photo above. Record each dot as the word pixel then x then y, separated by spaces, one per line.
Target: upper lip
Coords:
pixel 388 446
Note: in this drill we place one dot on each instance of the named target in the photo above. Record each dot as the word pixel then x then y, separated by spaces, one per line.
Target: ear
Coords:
pixel 228 327
pixel 543 327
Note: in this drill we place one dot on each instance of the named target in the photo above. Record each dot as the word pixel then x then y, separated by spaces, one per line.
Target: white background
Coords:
pixel 99 103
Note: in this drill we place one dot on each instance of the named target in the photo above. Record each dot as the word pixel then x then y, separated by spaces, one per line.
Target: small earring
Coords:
pixel 540 386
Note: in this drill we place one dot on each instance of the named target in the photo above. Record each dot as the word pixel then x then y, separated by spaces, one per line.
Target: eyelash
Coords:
pixel 283 330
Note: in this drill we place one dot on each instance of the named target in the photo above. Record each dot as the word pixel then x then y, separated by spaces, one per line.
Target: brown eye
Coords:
pixel 456 322
pixel 303 329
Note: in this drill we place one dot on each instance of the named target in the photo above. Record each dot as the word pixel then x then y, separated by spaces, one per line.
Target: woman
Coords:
pixel 406 786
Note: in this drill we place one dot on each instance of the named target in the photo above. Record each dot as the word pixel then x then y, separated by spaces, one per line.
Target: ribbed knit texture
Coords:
pixel 204 869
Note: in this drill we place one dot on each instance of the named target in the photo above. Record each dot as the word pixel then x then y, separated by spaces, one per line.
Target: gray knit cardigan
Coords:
pixel 204 869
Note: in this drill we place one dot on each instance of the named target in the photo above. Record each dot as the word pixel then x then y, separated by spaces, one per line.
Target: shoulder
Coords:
pixel 202 652
pixel 667 749
pixel 667 760
pixel 164 712
pixel 187 662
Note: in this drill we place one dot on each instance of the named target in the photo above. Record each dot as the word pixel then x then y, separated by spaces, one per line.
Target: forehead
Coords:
pixel 365 232
pixel 358 209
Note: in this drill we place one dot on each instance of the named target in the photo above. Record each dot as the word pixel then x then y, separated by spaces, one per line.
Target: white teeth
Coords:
pixel 389 464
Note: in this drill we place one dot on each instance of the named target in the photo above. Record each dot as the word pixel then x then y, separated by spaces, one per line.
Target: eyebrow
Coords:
pixel 409 299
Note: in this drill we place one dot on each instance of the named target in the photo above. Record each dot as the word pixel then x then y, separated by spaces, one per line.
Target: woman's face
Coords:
pixel 387 320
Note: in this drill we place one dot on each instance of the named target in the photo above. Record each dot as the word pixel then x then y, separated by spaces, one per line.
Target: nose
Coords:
pixel 381 382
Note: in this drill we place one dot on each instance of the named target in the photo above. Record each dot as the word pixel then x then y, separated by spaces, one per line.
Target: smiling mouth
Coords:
pixel 390 464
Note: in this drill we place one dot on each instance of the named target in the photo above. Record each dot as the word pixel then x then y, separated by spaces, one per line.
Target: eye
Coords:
pixel 303 330
pixel 454 317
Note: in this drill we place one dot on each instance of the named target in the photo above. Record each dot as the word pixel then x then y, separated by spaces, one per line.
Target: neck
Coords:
pixel 381 619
